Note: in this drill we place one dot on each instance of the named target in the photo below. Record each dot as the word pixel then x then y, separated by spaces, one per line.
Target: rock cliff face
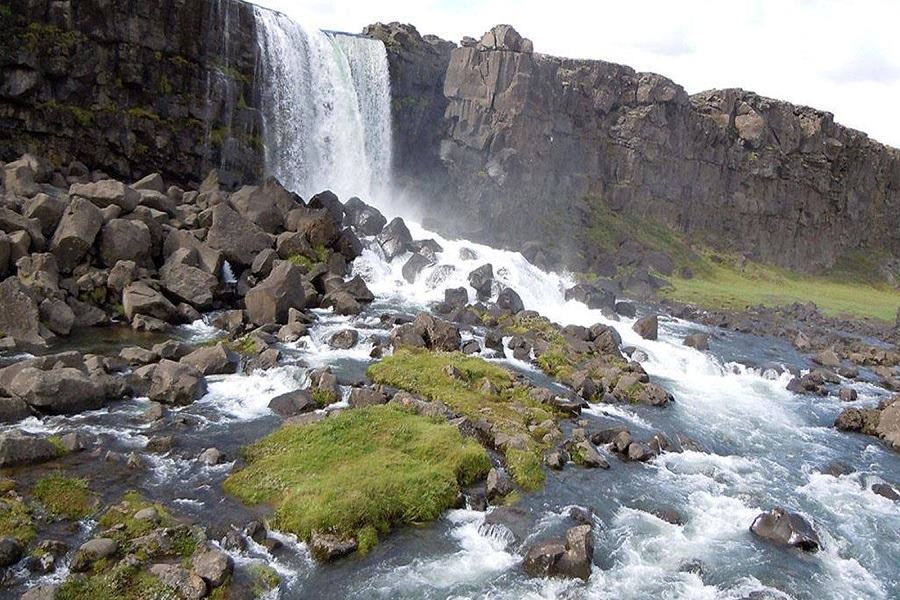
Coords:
pixel 131 87
pixel 531 142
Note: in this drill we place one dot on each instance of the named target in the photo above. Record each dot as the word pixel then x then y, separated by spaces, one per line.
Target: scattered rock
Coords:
pixel 786 528
pixel 647 327
pixel 176 383
pixel 326 547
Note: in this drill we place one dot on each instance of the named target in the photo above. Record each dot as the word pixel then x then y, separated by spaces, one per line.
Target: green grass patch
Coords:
pixel 727 286
pixel 300 261
pixel 375 467
pixel 15 520
pixel 65 497
pixel 525 468
pixel 245 345
pixel 263 578
pixel 122 582
pixel 121 525
pixel 510 410
pixel 323 397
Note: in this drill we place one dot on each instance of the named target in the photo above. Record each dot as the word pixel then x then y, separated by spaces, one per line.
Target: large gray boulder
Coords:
pixel 107 192
pixel 176 383
pixel 18 448
pixel 647 327
pixel 213 565
pixel 125 239
pixel 20 317
pixel 317 226
pixel 282 290
pixel 189 284
pixel 481 280
pixel 786 528
pixel 212 360
pixel 572 557
pixel 394 239
pixel 209 260
pixel 57 391
pixel 138 298
pixel 239 239
pixel 47 210
pixel 366 219
pixel 254 204
pixel 75 233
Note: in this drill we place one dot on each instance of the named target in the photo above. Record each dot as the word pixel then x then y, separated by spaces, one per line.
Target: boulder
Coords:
pixel 125 239
pixel 594 297
pixel 317 226
pixel 626 309
pixel 344 339
pixel 394 239
pixel 176 383
pixel 209 260
pixel 414 266
pixel 293 403
pixel 498 485
pixel 342 302
pixel 481 280
pixel 326 547
pixel 258 207
pixel 18 448
pixel 437 334
pixel 189 284
pixel 699 341
pixel 47 210
pixel 827 357
pixel 75 234
pixel 270 301
pixel 647 327
pixel 456 297
pixel 238 239
pixel 887 491
pixel 848 394
pixel 366 219
pixel 786 528
pixel 188 585
pixel 330 202
pixel 212 360
pixel 211 457
pixel 541 559
pixel 152 183
pixel 20 317
pixel 213 565
pixel 138 298
pixel 63 390
pixel 509 300
pixel 572 557
pixel 888 427
pixel 18 179
pixel 11 551
pixel 107 192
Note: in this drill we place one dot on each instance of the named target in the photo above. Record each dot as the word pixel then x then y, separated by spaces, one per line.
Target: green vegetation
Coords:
pixel 83 116
pixel 727 286
pixel 120 520
pixel 244 345
pixel 65 497
pixel 323 397
pixel 300 261
pixel 264 578
pixel 122 582
pixel 369 468
pixel 366 539
pixel 508 408
pixel 15 520
pixel 139 112
pixel 58 445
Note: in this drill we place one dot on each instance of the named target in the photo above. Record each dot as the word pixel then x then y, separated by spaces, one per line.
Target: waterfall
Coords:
pixel 326 109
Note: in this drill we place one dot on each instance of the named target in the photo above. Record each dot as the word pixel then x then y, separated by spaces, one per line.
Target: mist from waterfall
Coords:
pixel 325 109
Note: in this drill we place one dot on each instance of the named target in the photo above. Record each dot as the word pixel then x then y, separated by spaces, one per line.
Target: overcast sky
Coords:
pixel 836 55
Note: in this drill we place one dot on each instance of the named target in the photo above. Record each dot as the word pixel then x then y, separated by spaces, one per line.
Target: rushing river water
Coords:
pixel 328 124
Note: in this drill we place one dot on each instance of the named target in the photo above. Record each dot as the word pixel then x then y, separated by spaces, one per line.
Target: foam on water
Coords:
pixel 246 397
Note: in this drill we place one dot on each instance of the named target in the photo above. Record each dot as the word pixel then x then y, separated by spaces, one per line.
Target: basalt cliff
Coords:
pixel 498 142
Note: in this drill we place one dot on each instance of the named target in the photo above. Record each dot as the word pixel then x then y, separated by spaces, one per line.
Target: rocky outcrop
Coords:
pixel 533 147
pixel 164 86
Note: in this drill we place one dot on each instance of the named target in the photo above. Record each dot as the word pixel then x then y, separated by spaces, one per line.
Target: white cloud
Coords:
pixel 837 56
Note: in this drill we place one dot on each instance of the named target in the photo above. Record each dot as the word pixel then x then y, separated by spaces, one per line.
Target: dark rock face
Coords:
pixel 532 139
pixel 138 89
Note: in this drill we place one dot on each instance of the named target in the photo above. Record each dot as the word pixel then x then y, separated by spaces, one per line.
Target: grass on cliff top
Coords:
pixel 509 410
pixel 726 286
pixel 378 467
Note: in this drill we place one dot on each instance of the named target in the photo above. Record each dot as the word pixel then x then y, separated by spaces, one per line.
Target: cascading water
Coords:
pixel 326 109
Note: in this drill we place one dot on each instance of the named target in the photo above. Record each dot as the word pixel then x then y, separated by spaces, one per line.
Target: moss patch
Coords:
pixel 263 578
pixel 119 521
pixel 122 582
pixel 506 407
pixel 15 520
pixel 65 497
pixel 371 467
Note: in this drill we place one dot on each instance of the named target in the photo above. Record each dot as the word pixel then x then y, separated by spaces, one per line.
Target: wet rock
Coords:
pixel 136 356
pixel 827 357
pixel 189 284
pixel 858 420
pixel 887 491
pixel 626 309
pixel 647 327
pixel 848 394
pixel 435 333
pixel 557 558
pixel 786 528
pixel 366 219
pixel 57 391
pixel 837 469
pixel 541 559
pixel 176 383
pixel 394 239
pixel 138 298
pixel 160 444
pixel 456 297
pixel 700 341
pixel 414 265
pixel 188 585
pixel 344 339
pixel 888 427
pixel 326 547
pixel 481 280
pixel 271 300
pixel 498 485
pixel 509 300
pixel 57 316
pixel 584 454
pixel 293 403
pixel 591 296
pixel 211 457
pixel 19 448
pixel 47 556
pixel 75 234
pixel 213 565
pixel 11 551
pixel 13 410
pixel 212 360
